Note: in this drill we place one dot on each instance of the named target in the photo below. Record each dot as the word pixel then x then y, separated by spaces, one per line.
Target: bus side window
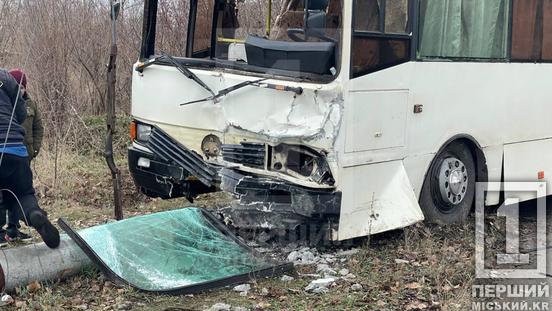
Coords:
pixel 367 15
pixel 380 35
pixel 532 30
pixel 464 29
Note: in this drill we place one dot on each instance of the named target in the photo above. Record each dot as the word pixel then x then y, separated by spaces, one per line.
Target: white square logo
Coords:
pixel 510 210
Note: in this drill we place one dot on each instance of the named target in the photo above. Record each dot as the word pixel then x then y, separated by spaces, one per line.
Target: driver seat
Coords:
pixel 316 23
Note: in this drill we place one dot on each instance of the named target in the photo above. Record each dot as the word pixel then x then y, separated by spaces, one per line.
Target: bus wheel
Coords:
pixel 449 187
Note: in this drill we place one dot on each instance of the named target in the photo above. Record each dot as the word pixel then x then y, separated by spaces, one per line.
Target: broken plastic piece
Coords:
pixel 175 252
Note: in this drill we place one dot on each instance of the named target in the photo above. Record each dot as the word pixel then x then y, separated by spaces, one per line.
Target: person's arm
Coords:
pixel 38 130
pixel 11 87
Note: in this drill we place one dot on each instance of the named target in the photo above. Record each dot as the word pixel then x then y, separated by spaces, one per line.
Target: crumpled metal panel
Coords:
pixel 379 198
pixel 175 252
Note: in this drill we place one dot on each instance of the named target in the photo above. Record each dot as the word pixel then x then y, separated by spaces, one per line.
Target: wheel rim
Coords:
pixel 453 182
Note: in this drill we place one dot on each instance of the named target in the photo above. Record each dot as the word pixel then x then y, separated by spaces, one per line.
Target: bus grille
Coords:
pixel 248 154
pixel 169 150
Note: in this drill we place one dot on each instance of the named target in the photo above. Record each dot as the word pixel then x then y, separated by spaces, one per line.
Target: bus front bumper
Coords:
pixel 165 168
pixel 270 203
pixel 158 178
pixel 262 202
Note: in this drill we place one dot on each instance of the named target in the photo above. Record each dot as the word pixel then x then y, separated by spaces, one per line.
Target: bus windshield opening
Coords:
pixel 268 35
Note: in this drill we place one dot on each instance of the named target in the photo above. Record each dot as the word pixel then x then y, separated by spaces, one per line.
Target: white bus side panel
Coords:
pixel 376 198
pixel 495 103
pixel 524 161
pixel 376 120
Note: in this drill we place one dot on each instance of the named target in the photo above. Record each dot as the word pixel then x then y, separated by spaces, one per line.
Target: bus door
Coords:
pixel 377 195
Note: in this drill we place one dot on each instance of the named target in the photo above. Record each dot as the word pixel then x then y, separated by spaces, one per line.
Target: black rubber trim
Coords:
pixel 149 24
pixel 276 269
pixel 242 68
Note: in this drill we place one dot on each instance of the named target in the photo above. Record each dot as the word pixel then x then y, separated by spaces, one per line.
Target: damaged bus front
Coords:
pixel 255 106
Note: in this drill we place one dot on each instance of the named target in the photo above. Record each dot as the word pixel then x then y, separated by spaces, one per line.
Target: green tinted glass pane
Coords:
pixel 164 251
pixel 464 28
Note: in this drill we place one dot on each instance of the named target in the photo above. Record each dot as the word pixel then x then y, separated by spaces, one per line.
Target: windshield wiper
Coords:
pixel 187 72
pixel 223 92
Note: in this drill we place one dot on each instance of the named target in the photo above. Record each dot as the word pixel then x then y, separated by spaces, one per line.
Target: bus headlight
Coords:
pixel 143 132
pixel 211 146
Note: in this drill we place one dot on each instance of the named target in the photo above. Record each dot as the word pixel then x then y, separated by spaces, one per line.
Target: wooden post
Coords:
pixel 110 111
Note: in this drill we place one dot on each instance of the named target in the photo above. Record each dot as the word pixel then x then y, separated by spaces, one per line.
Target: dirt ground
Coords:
pixel 423 267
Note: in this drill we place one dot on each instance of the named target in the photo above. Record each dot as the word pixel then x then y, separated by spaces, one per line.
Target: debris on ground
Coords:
pixel 307 256
pixel 123 306
pixel 220 307
pixel 6 300
pixel 329 258
pixel 286 278
pixel 242 288
pixel 33 286
pixel 356 287
pixel 325 270
pixel 349 276
pixel 320 285
pixel 262 305
pixel 303 256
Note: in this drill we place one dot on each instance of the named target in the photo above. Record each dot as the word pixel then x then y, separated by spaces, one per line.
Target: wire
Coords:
pixel 20 206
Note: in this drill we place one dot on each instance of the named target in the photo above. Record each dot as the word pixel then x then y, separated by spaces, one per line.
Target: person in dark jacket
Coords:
pixel 34 131
pixel 16 178
pixel 33 141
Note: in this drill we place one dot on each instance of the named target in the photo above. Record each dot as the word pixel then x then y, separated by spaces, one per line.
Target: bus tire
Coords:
pixel 449 187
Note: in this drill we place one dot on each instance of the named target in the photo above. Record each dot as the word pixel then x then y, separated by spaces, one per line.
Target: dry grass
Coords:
pixel 438 275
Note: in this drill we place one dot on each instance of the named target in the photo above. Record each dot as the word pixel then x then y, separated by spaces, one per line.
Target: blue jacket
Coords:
pixel 10 95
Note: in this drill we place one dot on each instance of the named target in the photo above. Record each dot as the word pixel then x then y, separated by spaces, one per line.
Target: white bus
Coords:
pixel 366 115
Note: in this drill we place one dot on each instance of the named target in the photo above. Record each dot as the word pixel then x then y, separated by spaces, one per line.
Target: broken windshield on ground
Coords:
pixel 179 251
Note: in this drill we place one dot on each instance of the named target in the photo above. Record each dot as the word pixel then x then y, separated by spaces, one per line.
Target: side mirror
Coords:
pixel 115 8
